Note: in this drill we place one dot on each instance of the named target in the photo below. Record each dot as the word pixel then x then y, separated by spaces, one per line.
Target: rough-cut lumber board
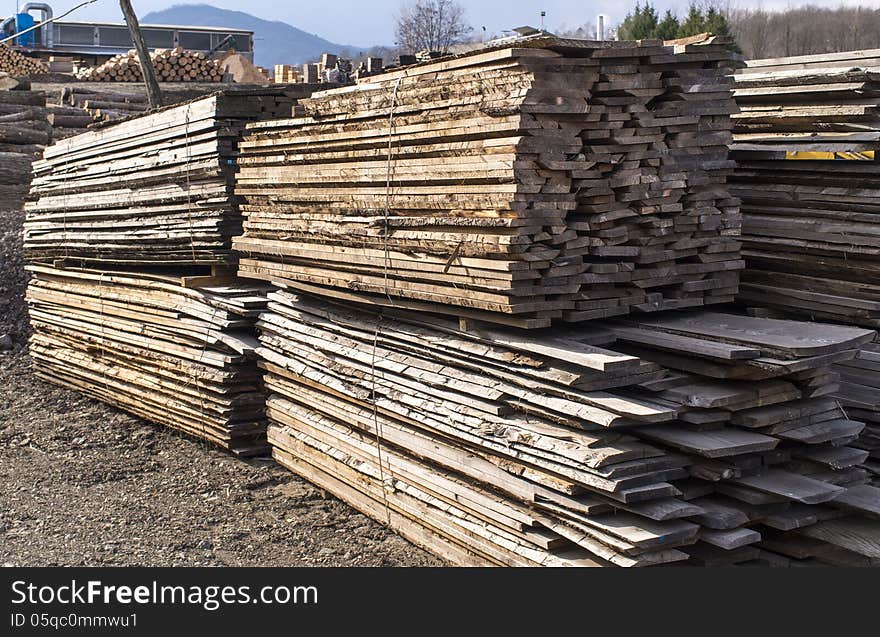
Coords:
pixel 856 534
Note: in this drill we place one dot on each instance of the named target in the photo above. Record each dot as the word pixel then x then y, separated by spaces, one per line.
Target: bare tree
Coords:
pixel 752 30
pixel 432 25
pixel 804 30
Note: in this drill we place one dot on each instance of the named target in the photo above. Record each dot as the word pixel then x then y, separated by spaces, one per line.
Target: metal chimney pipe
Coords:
pixel 48 30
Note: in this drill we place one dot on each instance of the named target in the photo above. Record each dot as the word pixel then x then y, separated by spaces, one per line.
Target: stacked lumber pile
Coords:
pixel 560 180
pixel 485 448
pixel 155 189
pixel 842 59
pixel 811 226
pixel 498 446
pixel 811 207
pixel 124 224
pixel 19 65
pixel 154 345
pixel 764 433
pixel 172 65
pixel 285 74
pixel 859 395
pixel 24 133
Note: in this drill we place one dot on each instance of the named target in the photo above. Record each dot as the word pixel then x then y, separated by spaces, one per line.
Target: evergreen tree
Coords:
pixel 644 23
pixel 716 22
pixel 641 24
pixel 667 29
pixel 694 22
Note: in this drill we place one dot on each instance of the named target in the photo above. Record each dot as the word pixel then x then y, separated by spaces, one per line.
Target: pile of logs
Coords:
pixel 497 446
pixel 68 121
pixel 19 65
pixel 24 133
pixel 172 65
pixel 561 180
pixel 177 351
pixel 78 107
pixel 105 105
pixel 149 190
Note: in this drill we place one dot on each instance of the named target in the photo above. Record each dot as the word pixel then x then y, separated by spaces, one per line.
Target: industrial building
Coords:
pixel 96 42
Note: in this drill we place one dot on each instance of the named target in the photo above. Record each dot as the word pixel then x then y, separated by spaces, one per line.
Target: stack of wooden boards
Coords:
pixel 172 65
pixel 859 394
pixel 842 59
pixel 285 74
pixel 155 189
pixel 558 180
pixel 174 351
pixel 774 451
pixel 75 108
pixel 20 65
pixel 811 205
pixel 811 227
pixel 486 447
pixel 122 304
pixel 24 133
pixel 497 446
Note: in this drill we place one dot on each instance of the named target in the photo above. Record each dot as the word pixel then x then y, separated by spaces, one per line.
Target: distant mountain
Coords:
pixel 274 42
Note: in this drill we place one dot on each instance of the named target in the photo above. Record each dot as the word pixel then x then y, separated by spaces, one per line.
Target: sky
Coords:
pixel 369 22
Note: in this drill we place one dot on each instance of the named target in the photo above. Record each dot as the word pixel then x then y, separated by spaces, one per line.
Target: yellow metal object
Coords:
pixel 867 155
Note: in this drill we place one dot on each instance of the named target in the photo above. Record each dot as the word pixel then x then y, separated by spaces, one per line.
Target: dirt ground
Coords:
pixel 82 483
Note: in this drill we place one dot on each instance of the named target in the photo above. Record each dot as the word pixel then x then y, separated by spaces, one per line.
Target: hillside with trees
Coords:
pixel 759 33
pixel 805 30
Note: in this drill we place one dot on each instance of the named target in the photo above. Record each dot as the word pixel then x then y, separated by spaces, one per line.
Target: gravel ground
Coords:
pixel 82 483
